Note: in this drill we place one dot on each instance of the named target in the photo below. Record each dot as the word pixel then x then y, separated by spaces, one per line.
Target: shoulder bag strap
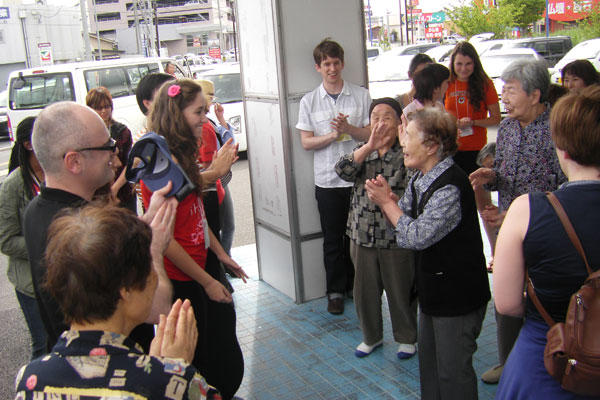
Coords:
pixel 536 301
pixel 560 211
pixel 564 219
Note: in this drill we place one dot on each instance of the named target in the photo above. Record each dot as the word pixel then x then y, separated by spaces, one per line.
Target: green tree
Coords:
pixel 478 18
pixel 525 12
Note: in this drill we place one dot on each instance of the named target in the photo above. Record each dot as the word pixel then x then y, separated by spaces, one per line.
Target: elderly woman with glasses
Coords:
pixel 437 217
pixel 99 270
pixel 100 100
pixel 525 162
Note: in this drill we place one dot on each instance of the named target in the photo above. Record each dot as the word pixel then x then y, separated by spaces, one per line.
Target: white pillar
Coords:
pixel 277 38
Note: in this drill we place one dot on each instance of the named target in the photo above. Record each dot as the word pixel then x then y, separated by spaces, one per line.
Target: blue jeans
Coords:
pixel 227 221
pixel 34 323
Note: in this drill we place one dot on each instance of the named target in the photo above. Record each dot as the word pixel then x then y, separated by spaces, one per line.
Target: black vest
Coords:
pixel 451 274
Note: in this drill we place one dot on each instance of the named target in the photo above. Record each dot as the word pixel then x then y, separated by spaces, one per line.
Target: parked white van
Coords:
pixel 30 90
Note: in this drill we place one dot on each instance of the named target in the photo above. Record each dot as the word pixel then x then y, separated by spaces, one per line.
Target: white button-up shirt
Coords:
pixel 317 110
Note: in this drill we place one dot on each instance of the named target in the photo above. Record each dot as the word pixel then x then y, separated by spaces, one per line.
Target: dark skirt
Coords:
pixel 218 354
pixel 524 376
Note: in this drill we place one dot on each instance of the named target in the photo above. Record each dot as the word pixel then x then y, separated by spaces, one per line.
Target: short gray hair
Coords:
pixel 531 74
pixel 58 129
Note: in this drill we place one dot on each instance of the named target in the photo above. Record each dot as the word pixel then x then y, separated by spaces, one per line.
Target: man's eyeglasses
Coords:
pixel 111 146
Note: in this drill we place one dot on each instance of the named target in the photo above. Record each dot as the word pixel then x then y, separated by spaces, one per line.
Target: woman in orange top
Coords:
pixel 473 100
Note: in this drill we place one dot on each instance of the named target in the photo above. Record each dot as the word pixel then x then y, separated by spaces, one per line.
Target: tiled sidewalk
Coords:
pixel 302 352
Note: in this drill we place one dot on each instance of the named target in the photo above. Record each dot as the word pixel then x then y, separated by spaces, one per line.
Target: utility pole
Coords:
pixel 98 44
pixel 86 32
pixel 400 17
pixel 406 14
pixel 136 25
pixel 154 7
pixel 233 12
pixel 220 27
pixel 370 26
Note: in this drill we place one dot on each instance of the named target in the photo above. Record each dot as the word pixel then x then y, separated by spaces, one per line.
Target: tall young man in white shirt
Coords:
pixel 332 118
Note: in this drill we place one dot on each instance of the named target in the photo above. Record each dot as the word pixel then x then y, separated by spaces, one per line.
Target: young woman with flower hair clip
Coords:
pixel 177 114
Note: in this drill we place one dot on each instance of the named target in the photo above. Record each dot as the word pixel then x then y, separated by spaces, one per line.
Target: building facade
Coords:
pixel 184 26
pixel 32 35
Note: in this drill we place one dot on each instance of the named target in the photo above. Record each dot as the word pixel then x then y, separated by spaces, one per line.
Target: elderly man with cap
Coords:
pixel 78 157
pixel 380 265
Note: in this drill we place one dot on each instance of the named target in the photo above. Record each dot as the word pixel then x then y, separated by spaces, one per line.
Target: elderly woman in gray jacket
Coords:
pixel 16 192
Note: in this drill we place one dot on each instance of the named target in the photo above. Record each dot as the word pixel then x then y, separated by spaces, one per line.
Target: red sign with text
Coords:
pixel 569 10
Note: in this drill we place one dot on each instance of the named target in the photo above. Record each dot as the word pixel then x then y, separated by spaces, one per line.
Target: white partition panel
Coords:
pixel 257 46
pixel 263 124
pixel 277 38
pixel 275 260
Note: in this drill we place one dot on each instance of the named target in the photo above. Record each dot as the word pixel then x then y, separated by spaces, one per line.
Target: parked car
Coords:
pixel 552 48
pixel 228 92
pixel 494 62
pixel 441 54
pixel 30 90
pixel 373 52
pixel 481 36
pixel 484 45
pixel 589 49
pixel 388 75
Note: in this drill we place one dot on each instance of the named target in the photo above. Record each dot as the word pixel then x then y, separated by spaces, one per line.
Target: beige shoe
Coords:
pixel 492 375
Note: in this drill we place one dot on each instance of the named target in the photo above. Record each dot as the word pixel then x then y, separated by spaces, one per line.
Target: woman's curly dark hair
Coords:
pixel 478 80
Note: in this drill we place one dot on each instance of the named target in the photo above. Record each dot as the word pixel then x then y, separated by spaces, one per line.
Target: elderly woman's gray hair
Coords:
pixel 437 126
pixel 531 74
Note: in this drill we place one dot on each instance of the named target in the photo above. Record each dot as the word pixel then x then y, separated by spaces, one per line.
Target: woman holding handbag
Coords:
pixel 532 240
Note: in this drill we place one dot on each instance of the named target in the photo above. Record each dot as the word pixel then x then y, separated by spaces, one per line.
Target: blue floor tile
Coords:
pixel 301 352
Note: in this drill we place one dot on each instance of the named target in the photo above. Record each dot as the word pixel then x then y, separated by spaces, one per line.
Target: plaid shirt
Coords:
pixel 367 225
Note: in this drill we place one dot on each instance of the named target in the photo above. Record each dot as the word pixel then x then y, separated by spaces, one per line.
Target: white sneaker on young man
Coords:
pixel 363 349
pixel 406 351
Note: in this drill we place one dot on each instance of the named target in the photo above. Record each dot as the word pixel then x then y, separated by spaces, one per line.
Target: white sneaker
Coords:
pixel 406 351
pixel 363 349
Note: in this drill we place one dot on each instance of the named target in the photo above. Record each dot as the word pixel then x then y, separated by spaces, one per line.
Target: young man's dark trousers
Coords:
pixel 334 206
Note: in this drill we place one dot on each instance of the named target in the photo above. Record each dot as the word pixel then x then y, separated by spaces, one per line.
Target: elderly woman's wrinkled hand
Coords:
pixel 176 335
pixel 481 176
pixel 378 190
pixel 378 137
pixel 493 216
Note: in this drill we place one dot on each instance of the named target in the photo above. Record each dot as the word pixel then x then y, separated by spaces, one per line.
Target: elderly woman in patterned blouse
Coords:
pixel 380 265
pixel 100 272
pixel 437 217
pixel 525 162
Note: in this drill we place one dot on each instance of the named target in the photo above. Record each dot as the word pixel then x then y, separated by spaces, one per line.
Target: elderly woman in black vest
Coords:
pixel 437 217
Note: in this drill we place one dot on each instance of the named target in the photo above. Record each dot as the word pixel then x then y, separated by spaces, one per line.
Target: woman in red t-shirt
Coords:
pixel 178 114
pixel 473 100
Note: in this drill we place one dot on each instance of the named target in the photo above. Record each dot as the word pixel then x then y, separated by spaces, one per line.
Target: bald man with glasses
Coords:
pixel 78 157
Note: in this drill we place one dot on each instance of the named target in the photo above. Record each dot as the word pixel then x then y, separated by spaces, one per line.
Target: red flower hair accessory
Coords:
pixel 174 90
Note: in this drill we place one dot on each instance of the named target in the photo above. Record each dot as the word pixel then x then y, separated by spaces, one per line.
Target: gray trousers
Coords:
pixel 392 270
pixel 446 348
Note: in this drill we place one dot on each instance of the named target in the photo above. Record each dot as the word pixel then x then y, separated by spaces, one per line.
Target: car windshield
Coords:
pixel 228 87
pixel 37 91
pixel 494 65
